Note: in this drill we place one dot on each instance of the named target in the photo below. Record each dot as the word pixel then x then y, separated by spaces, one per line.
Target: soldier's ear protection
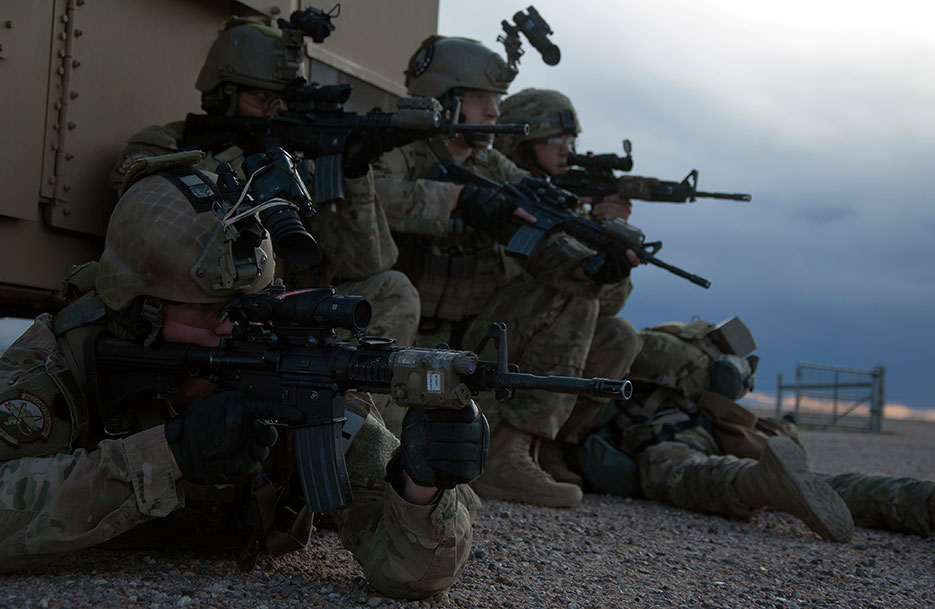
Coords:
pixel 733 376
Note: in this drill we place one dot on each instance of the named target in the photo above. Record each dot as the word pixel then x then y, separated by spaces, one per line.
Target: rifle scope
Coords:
pixel 315 307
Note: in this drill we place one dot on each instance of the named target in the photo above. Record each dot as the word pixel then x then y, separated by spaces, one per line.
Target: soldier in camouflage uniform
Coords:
pixel 166 274
pixel 553 128
pixel 445 233
pixel 696 448
pixel 246 70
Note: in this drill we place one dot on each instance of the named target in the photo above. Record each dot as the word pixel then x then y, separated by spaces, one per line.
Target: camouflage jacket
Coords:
pixel 60 493
pixel 354 236
pixel 454 268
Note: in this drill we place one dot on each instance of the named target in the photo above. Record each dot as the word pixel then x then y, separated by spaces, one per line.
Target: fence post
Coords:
pixel 879 398
pixel 798 389
pixel 779 397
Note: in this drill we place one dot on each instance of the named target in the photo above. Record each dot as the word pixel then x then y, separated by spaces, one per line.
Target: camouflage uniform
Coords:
pixel 59 493
pixel 691 444
pixel 613 342
pixel 550 317
pixel 76 473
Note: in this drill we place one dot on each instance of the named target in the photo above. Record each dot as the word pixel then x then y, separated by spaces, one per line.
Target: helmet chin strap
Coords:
pixel 230 91
pixel 151 311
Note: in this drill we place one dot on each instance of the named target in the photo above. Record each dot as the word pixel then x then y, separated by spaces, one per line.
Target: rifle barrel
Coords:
pixel 646 257
pixel 597 387
pixel 724 195
pixel 519 128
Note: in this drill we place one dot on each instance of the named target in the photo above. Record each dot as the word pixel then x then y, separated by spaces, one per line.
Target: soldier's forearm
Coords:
pixel 55 505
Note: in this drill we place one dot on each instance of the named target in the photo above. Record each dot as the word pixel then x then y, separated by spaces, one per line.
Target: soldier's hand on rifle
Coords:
pixel 613 206
pixel 442 447
pixel 363 148
pixel 488 208
pixel 218 439
pixel 608 268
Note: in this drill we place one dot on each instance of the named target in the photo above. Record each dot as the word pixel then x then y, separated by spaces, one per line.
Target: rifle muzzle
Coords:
pixel 513 128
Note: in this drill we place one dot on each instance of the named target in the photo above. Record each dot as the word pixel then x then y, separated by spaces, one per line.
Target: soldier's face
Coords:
pixel 552 153
pixel 480 107
pixel 196 324
pixel 259 103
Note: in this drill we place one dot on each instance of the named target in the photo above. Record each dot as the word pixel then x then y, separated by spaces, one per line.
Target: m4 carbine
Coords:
pixel 593 176
pixel 316 124
pixel 284 351
pixel 555 210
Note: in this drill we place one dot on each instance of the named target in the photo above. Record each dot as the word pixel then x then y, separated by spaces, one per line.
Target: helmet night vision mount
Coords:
pixel 537 32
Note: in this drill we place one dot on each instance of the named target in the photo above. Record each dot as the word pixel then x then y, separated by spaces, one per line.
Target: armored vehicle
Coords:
pixel 80 76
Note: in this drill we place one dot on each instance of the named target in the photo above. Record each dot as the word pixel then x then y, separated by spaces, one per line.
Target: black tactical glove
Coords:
pixel 218 439
pixel 608 267
pixel 364 148
pixel 442 447
pixel 485 208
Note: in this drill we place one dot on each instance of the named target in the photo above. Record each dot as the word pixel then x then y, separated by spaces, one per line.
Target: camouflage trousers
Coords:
pixel 906 505
pixel 615 345
pixel 548 333
pixel 687 473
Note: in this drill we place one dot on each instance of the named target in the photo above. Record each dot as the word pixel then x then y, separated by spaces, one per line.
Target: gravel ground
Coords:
pixel 606 553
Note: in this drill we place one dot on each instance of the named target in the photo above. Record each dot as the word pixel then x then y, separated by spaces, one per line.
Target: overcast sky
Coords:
pixel 824 111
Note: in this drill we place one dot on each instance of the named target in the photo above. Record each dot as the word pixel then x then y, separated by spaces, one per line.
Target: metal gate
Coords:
pixel 825 395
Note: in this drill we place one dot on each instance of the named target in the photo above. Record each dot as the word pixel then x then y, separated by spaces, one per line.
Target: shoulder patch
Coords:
pixel 24 419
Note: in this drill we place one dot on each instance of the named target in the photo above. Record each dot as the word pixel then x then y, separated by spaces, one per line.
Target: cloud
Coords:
pixel 824 214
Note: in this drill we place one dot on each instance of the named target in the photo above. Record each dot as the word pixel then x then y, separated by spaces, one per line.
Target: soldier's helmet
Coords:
pixel 548 113
pixel 693 358
pixel 250 55
pixel 442 64
pixel 166 240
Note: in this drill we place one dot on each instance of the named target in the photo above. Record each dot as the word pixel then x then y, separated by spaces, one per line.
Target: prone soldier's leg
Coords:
pixel 906 505
pixel 689 478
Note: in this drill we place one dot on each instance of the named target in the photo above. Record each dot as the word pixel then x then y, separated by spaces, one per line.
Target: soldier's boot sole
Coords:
pixel 803 494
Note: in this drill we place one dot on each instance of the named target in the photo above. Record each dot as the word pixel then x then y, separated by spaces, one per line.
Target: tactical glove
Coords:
pixel 608 267
pixel 485 208
pixel 442 447
pixel 364 148
pixel 218 439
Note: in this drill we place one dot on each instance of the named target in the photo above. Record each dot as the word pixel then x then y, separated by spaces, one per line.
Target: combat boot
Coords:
pixel 906 505
pixel 512 475
pixel 781 480
pixel 549 455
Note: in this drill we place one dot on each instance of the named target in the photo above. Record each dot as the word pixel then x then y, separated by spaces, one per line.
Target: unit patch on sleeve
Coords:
pixel 24 419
